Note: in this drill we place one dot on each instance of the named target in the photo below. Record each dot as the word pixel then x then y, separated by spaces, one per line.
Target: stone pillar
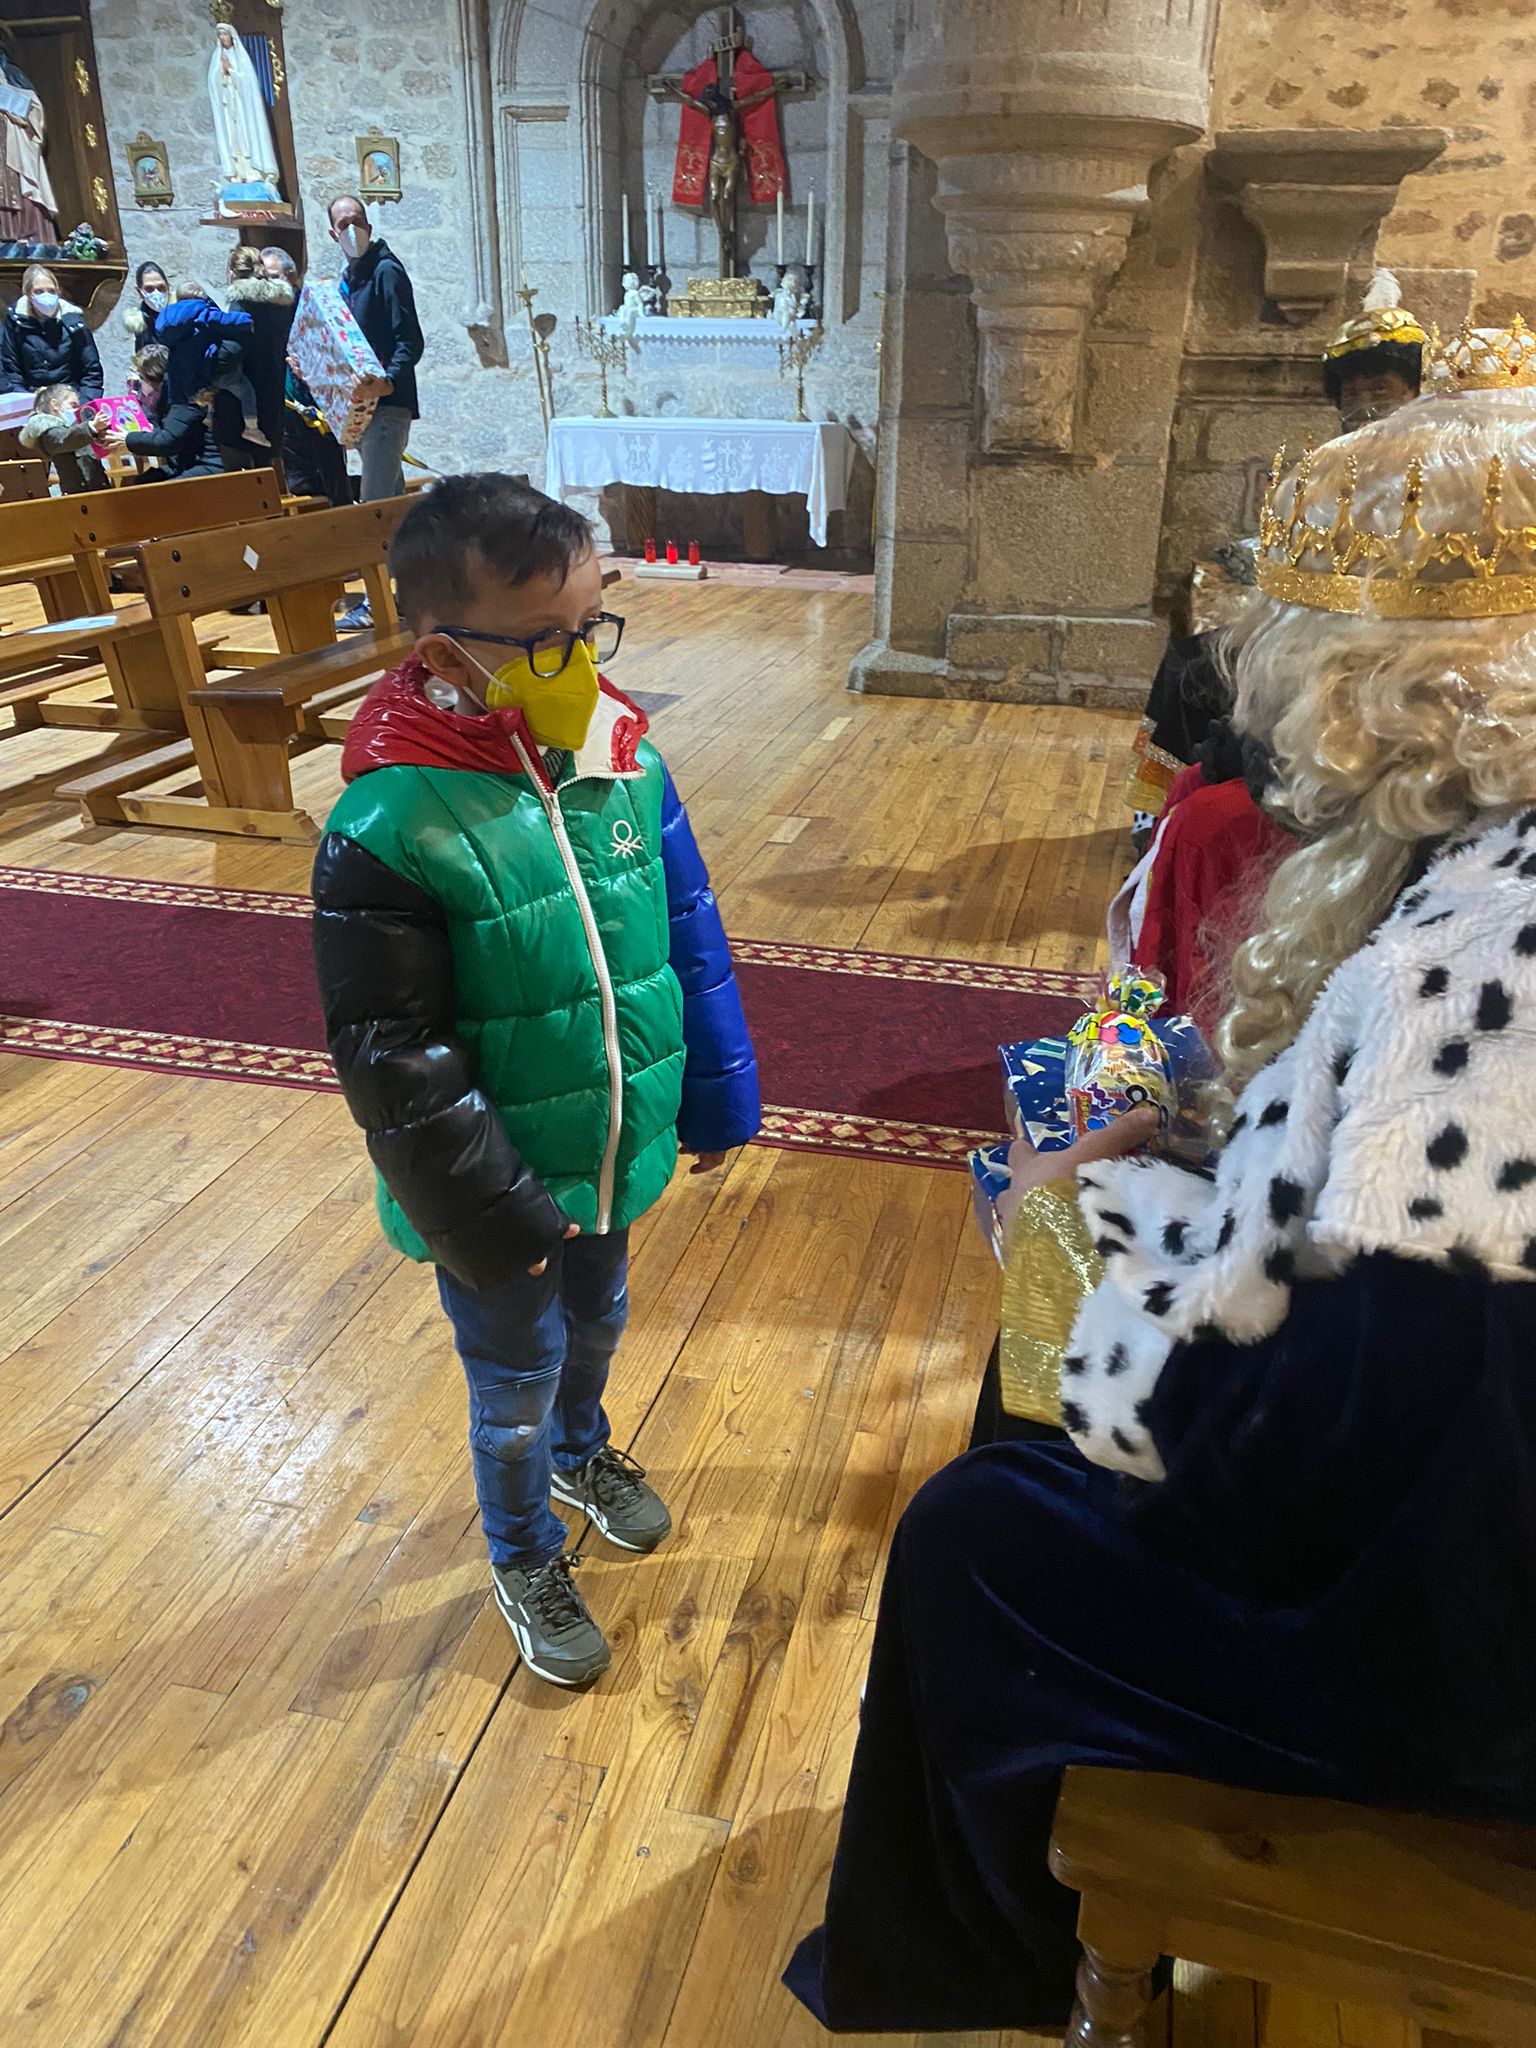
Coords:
pixel 1023 458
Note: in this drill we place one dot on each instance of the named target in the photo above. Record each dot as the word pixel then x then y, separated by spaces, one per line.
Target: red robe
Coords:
pixel 760 144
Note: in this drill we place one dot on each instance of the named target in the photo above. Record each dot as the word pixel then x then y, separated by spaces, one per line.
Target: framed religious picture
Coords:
pixel 378 166
pixel 151 167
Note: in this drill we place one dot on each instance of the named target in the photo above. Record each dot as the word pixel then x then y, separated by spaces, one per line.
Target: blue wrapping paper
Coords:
pixel 989 1180
pixel 1035 1089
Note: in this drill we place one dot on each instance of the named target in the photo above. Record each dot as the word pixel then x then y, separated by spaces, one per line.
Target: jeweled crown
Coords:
pixel 1312 553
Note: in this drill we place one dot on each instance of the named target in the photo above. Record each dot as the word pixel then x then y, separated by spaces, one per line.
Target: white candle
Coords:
pixel 810 226
pixel 779 202
pixel 661 246
pixel 624 205
pixel 650 226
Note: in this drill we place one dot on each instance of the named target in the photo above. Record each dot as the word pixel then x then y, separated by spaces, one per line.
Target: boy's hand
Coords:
pixel 707 1162
pixel 571 1230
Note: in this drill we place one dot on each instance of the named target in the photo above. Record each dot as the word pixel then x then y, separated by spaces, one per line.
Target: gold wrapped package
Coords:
pixel 1050 1265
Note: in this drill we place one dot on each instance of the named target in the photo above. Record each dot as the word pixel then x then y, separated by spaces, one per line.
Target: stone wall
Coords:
pixel 520 126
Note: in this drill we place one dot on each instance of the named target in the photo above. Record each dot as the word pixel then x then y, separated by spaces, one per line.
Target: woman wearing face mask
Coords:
pixel 152 296
pixel 43 341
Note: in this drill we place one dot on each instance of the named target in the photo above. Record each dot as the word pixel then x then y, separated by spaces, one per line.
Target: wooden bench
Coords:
pixel 1429 1918
pixel 64 546
pixel 242 728
pixel 27 479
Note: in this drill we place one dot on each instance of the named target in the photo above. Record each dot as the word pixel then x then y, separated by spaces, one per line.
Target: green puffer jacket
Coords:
pixel 555 908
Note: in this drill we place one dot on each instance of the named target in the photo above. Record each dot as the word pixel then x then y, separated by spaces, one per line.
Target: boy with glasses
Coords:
pixel 531 1008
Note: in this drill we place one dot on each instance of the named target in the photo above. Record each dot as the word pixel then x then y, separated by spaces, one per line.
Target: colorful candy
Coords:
pixel 1115 1060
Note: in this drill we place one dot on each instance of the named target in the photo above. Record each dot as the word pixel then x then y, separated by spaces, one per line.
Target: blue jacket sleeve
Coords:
pixel 721 1103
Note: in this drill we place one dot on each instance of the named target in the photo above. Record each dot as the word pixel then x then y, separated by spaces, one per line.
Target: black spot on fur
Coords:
pixel 1074 1363
pixel 1117 1222
pixel 1274 1113
pixel 1494 1007
pixel 1447 1148
pixel 1144 1413
pixel 1119 1360
pixel 1342 1062
pixel 1158 1298
pixel 1228 1225
pixel 1240 1124
pixel 1285 1198
pixel 1452 1056
pixel 1280 1266
pixel 1515 1174
pixel 1416 901
pixel 1507 860
pixel 1174 1235
pixel 1073 1417
pixel 1423 924
pixel 1424 1208
pixel 1435 982
pixel 1527 823
pixel 1525 941
pixel 1461 1260
pixel 1528 866
pixel 1122 1442
pixel 1106 1247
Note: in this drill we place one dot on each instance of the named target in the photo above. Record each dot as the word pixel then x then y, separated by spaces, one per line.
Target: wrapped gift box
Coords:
pixel 16 408
pixel 334 359
pixel 1035 1090
pixel 989 1180
pixel 125 415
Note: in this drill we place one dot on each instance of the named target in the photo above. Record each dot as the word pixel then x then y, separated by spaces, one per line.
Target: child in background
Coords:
pixel 56 431
pixel 531 1007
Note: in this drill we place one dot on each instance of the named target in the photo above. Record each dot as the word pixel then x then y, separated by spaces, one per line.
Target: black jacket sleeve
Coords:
pixel 386 984
pixel 180 423
pixel 88 378
pixel 406 343
pixel 11 378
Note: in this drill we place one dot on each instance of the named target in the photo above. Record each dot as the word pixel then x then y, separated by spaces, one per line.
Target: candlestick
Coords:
pixel 608 351
pixel 650 229
pixel 661 237
pixel 779 207
pixel 541 375
pixel 810 226
pixel 624 207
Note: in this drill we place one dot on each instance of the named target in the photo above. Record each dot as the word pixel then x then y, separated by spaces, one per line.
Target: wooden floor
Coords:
pixel 267 1773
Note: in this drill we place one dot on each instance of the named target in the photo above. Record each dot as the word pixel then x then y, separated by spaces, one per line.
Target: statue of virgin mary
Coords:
pixel 241 128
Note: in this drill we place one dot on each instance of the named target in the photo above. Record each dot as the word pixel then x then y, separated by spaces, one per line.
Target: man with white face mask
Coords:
pixel 378 290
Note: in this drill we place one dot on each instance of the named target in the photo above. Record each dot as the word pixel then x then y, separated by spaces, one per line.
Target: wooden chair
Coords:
pixel 1429 1918
pixel 242 728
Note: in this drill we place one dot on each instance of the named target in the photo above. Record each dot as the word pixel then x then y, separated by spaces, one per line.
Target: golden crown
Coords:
pixel 1484 358
pixel 1320 559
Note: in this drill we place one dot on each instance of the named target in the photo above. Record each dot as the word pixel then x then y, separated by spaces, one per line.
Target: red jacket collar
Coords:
pixel 397 725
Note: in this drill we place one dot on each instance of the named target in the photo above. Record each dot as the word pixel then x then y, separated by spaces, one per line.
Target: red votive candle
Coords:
pixel 650 551
pixel 671 554
pixel 693 554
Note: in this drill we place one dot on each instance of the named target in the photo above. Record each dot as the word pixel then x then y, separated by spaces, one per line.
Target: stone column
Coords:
pixel 1019 516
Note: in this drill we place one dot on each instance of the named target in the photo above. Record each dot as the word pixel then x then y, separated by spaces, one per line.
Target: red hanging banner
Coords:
pixel 690 176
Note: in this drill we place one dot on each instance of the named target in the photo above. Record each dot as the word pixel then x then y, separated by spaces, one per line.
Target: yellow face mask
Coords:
pixel 558 708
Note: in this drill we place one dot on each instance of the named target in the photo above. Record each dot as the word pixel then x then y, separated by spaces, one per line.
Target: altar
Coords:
pixel 780 458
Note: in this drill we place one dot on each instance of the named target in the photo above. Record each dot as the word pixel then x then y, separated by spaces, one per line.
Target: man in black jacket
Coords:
pixel 377 288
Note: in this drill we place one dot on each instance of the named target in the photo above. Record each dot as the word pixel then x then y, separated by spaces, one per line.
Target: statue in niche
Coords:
pixel 28 209
pixel 789 298
pixel 242 129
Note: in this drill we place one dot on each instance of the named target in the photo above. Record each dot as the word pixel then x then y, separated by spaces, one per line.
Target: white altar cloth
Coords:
pixel 710 456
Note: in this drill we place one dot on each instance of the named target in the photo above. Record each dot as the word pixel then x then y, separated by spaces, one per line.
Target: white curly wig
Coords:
pixel 1384 732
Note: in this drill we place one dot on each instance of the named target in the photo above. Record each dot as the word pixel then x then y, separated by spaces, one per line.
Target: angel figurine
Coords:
pixel 631 305
pixel 789 299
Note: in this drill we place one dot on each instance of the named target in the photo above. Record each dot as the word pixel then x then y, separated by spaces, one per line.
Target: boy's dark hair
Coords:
pixel 467 530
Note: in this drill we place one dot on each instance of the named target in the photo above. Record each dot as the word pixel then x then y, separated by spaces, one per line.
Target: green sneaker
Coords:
pixel 551 1623
pixel 611 1489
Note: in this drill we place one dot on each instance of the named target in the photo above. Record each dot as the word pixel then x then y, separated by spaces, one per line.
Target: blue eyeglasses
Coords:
pixel 548 653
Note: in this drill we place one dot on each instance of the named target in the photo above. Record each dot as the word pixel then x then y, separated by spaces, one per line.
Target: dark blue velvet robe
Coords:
pixel 1333 1593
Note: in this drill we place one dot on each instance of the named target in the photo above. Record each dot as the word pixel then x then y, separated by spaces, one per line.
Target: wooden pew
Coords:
pixel 22 480
pixel 65 546
pixel 242 728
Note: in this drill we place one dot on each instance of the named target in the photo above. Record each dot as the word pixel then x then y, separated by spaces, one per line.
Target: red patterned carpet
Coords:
pixel 863 1053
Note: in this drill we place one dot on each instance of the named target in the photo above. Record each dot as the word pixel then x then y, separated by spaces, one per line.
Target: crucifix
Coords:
pixel 723 106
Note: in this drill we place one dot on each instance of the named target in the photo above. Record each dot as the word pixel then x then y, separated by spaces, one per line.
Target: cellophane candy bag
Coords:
pixel 1115 1060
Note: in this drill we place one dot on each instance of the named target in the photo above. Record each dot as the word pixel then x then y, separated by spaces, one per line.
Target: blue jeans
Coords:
pixel 380 451
pixel 536 1353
